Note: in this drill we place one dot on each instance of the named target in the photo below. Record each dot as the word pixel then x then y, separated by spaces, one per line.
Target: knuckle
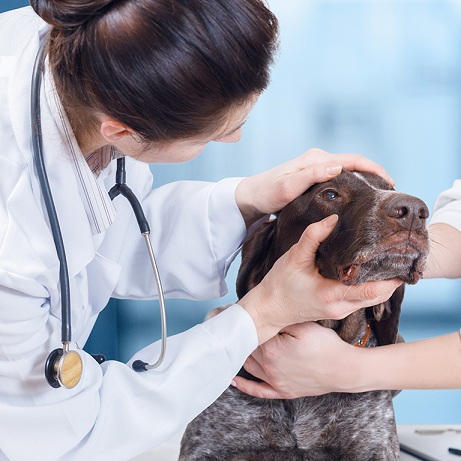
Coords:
pixel 369 292
pixel 313 232
pixel 288 395
pixel 358 157
pixel 336 313
pixel 315 151
pixel 334 310
pixel 285 189
pixel 271 354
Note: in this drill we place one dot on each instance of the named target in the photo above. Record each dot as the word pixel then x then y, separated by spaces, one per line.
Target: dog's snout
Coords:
pixel 410 212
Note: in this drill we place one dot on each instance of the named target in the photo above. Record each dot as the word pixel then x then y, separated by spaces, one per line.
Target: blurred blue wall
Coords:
pixel 378 77
pixel 6 5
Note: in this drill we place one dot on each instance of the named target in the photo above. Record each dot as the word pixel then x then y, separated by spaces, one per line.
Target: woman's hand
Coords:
pixel 308 359
pixel 294 292
pixel 304 359
pixel 270 191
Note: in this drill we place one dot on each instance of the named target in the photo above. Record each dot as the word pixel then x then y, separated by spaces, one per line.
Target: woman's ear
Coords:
pixel 114 131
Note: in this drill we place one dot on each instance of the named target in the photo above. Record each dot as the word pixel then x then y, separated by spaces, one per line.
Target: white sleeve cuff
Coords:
pixel 236 331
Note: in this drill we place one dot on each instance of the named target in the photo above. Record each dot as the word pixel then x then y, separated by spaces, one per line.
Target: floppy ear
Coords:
pixel 256 261
pixel 386 317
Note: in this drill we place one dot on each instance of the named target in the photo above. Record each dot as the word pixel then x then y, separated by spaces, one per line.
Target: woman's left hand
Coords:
pixel 270 191
pixel 328 364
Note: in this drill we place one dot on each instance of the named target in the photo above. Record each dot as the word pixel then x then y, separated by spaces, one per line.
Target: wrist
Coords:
pixel 258 306
pixel 350 372
pixel 244 198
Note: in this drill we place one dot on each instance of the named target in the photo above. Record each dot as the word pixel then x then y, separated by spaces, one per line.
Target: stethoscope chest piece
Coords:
pixel 63 369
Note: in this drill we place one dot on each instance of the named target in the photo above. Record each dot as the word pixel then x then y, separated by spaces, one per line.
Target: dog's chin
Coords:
pixel 407 268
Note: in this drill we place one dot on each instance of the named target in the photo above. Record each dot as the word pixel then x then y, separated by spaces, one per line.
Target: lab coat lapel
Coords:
pixel 75 228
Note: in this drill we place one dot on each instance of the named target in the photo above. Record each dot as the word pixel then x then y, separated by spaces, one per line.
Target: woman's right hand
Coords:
pixel 294 292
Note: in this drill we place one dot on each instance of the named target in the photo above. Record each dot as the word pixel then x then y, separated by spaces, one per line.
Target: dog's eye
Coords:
pixel 330 194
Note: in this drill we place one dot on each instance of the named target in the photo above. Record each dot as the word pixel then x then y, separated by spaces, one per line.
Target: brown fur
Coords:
pixel 380 234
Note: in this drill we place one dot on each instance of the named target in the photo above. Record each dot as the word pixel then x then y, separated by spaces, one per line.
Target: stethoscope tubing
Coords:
pixel 37 147
pixel 120 188
pixel 161 305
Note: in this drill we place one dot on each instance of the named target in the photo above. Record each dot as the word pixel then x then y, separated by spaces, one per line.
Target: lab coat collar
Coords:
pixel 63 161
pixel 98 207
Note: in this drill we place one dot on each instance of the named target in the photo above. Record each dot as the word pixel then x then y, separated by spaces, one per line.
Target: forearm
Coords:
pixel 426 364
pixel 444 259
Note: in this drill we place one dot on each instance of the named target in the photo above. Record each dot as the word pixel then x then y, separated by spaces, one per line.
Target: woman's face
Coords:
pixel 184 150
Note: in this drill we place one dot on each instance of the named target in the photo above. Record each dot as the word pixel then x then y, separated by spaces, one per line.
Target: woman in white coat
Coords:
pixel 154 81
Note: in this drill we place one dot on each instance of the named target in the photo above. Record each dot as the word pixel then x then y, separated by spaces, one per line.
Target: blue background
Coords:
pixel 378 77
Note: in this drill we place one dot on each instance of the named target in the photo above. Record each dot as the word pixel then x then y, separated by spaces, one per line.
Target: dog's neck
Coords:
pixel 364 341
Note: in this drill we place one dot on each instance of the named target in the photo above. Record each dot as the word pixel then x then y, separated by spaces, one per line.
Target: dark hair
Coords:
pixel 168 69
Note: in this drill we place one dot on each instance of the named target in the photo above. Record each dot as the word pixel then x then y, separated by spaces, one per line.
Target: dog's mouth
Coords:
pixel 405 262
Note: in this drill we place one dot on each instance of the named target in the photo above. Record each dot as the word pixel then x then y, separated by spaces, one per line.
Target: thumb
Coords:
pixel 298 330
pixel 313 236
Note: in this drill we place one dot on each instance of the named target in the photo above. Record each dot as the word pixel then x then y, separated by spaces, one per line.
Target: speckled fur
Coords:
pixel 332 427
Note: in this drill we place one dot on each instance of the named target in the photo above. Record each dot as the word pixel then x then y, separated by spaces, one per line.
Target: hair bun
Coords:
pixel 64 14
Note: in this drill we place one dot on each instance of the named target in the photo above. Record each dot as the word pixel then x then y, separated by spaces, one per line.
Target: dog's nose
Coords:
pixel 410 212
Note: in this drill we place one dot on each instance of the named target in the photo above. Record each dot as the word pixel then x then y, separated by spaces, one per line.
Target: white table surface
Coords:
pixel 434 445
pixel 169 451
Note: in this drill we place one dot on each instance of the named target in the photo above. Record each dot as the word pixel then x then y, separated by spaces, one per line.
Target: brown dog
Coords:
pixel 380 234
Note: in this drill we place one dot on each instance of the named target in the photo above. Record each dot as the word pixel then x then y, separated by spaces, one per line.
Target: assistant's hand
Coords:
pixel 270 191
pixel 303 360
pixel 293 291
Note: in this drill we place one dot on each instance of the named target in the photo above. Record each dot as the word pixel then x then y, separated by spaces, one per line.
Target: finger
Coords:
pixel 299 330
pixel 295 183
pixel 361 163
pixel 315 173
pixel 306 248
pixel 253 367
pixel 260 390
pixel 348 161
pixel 298 178
pixel 379 291
pixel 352 298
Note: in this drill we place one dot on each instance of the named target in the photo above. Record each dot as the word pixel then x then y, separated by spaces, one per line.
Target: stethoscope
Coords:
pixel 64 367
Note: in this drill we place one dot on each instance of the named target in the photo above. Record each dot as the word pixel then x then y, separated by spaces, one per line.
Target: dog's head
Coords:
pixel 381 234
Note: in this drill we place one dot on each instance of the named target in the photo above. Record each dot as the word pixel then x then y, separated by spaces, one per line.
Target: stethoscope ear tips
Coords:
pixel 63 369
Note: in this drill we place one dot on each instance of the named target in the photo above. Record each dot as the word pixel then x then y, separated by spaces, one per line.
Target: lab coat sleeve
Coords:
pixel 115 413
pixel 447 208
pixel 196 232
pixel 140 410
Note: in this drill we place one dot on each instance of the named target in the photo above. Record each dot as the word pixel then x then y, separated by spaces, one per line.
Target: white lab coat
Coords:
pixel 447 207
pixel 114 413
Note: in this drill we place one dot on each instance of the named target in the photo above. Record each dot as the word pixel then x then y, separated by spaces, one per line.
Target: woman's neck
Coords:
pixel 85 131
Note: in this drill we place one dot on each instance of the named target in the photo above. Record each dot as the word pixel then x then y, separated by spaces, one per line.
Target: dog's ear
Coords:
pixel 256 261
pixel 386 317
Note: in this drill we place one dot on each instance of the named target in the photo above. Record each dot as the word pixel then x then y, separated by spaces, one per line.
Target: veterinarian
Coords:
pixel 151 81
pixel 331 365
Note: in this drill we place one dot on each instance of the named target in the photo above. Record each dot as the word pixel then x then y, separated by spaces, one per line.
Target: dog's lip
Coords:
pixel 405 248
pixel 350 275
pixel 408 264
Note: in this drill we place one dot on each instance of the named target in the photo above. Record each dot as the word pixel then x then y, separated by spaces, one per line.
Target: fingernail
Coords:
pixel 233 383
pixel 334 170
pixel 331 220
